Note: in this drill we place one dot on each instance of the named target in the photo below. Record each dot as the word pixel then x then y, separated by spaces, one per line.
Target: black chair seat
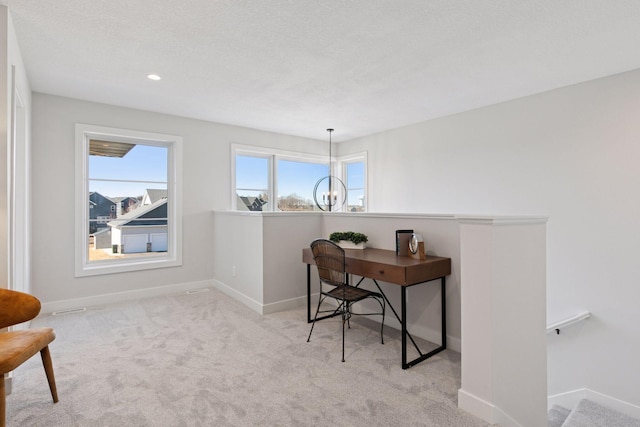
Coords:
pixel 351 293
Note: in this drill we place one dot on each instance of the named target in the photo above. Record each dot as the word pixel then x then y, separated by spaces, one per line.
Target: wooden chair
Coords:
pixel 330 260
pixel 16 347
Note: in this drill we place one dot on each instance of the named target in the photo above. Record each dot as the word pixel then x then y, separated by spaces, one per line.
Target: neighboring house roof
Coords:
pixel 96 195
pixel 252 203
pixel 121 198
pixel 143 212
pixel 152 195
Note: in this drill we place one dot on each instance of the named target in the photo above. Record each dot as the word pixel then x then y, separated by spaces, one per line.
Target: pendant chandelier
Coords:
pixel 334 192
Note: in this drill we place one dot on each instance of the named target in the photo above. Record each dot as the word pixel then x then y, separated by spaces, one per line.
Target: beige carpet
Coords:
pixel 206 360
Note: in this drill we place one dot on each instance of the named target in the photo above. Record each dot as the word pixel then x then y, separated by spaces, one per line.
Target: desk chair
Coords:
pixel 16 347
pixel 330 260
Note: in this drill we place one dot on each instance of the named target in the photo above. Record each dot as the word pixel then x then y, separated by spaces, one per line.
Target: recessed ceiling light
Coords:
pixel 153 77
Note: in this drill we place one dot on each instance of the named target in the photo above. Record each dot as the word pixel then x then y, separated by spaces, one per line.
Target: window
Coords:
pixel 354 180
pixel 295 184
pixel 262 176
pixel 143 169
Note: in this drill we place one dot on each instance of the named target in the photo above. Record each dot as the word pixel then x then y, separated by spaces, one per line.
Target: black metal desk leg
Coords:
pixel 443 302
pixel 437 350
pixel 403 322
pixel 309 319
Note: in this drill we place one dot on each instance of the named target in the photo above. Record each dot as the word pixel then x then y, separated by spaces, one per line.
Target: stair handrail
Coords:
pixel 568 321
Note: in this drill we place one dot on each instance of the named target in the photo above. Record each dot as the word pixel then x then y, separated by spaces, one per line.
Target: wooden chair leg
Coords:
pixel 48 368
pixel 3 414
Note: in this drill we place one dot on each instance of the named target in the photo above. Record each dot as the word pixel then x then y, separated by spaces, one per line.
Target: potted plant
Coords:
pixel 349 239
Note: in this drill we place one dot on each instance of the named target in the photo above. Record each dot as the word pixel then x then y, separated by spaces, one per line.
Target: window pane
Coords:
pixel 296 181
pixel 252 183
pixel 252 173
pixel 355 200
pixel 355 186
pixel 355 175
pixel 128 215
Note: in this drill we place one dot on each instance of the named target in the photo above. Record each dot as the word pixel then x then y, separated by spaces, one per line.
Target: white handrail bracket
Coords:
pixel 568 321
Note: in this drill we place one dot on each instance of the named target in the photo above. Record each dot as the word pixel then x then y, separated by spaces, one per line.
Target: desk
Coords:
pixel 379 264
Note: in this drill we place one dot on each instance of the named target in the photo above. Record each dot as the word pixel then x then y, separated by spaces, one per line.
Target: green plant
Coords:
pixel 348 235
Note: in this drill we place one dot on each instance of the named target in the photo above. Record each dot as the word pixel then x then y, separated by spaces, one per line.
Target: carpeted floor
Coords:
pixel 206 360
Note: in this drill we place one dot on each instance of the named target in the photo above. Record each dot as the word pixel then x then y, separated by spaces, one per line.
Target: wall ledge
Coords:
pixel 502 220
pixel 462 219
pixel 265 214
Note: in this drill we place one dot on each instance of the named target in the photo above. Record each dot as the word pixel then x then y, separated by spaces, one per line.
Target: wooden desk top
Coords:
pixel 385 265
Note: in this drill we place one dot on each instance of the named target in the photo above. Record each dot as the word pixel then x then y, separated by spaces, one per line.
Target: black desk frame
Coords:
pixel 402 318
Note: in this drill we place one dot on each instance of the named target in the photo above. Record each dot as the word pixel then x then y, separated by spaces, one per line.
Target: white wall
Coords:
pixel 570 154
pixel 206 174
pixel 504 358
pixel 238 257
pixel 258 257
pixel 284 273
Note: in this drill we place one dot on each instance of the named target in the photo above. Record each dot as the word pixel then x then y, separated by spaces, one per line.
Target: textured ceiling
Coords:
pixel 301 66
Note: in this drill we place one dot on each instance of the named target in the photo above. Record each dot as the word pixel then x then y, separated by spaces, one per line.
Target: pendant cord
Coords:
pixel 330 198
pixel 331 202
pixel 330 131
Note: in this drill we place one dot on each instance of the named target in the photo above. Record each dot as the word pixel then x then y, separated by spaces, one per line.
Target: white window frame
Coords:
pixel 173 256
pixel 273 155
pixel 336 168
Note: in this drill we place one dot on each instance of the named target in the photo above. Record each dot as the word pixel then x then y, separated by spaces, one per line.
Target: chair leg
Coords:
pixel 2 402
pixel 382 324
pixel 48 368
pixel 344 319
pixel 315 317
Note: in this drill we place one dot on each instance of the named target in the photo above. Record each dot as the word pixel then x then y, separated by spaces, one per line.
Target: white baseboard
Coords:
pixel 429 334
pixel 567 399
pixel 476 406
pixel 257 306
pixel 8 381
pixel 96 300
pixel 571 398
pixel 233 293
pixel 288 304
pixel 425 333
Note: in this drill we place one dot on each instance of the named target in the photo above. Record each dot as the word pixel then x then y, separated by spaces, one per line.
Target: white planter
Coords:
pixel 348 244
